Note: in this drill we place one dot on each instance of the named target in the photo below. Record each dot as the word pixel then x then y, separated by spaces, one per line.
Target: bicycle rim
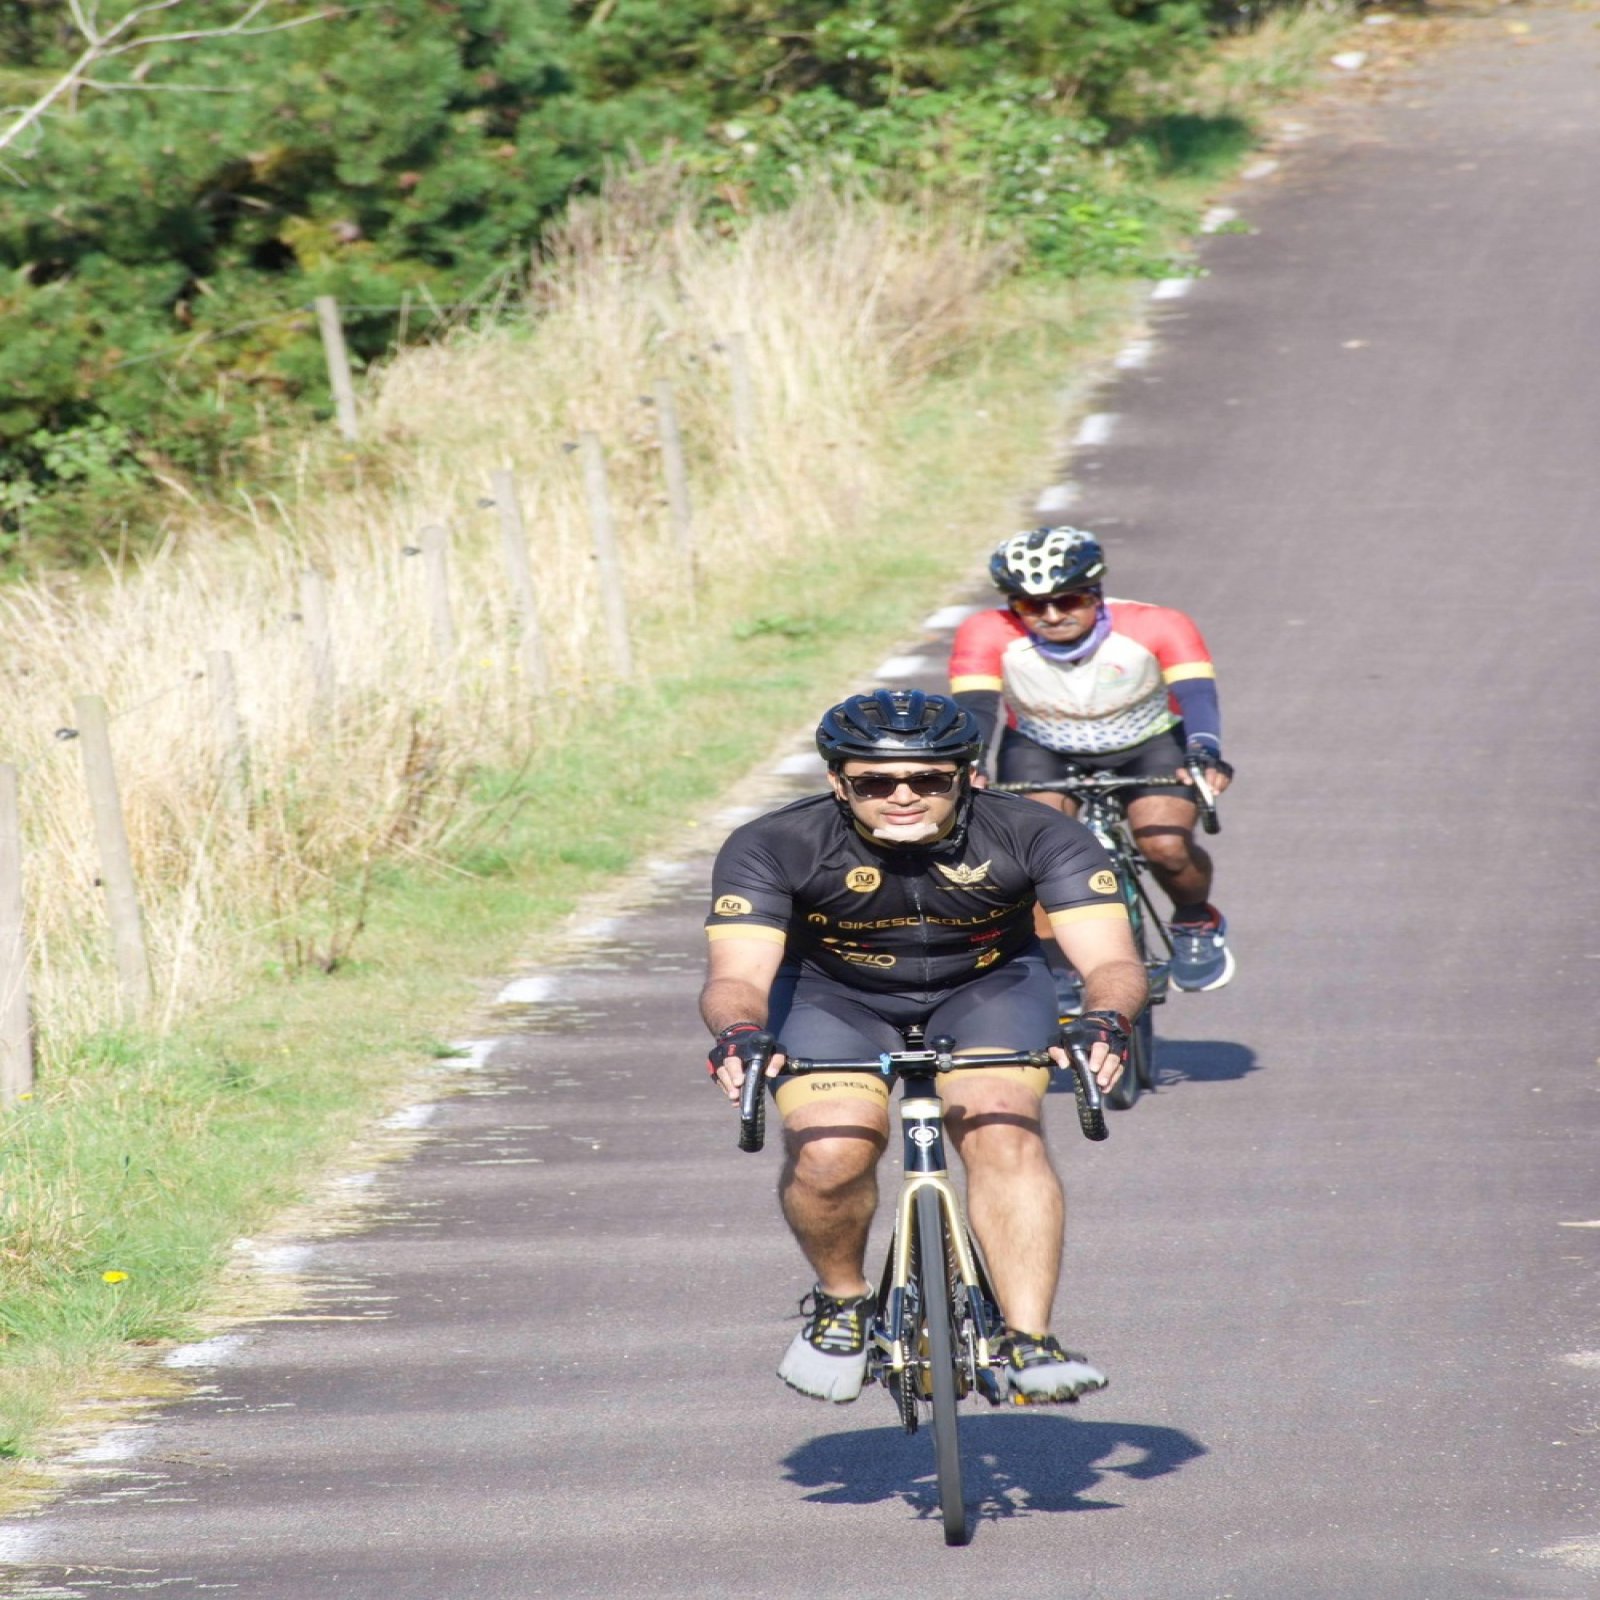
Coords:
pixel 941 1363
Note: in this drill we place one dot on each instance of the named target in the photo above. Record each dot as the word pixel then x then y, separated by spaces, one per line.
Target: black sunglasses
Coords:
pixel 880 785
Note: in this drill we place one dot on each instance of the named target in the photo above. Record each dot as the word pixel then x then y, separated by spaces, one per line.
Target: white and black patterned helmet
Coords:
pixel 1048 561
pixel 896 725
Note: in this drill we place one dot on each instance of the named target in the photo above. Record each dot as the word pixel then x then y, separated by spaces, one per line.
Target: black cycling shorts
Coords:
pixel 1024 760
pixel 816 1018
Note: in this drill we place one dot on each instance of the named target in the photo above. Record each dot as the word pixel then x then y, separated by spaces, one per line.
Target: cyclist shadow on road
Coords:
pixel 1180 1061
pixel 1015 1465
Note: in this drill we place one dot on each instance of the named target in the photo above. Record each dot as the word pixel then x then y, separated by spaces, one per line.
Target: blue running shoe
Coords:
pixel 1201 958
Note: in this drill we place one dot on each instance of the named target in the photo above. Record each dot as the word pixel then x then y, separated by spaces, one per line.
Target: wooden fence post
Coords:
pixel 16 1029
pixel 603 530
pixel 677 475
pixel 441 619
pixel 338 358
pixel 514 549
pixel 233 758
pixel 319 639
pixel 744 403
pixel 116 863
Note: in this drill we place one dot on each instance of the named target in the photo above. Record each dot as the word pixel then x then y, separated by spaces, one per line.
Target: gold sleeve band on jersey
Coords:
pixel 1188 669
pixel 976 681
pixel 1096 913
pixel 754 930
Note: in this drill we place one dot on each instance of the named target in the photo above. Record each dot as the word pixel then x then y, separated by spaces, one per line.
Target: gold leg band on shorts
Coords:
pixel 808 1088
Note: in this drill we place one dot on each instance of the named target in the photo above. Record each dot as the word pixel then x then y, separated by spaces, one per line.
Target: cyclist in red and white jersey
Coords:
pixel 1103 685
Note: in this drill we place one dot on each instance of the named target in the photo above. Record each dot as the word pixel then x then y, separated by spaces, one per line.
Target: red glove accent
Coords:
pixel 726 1044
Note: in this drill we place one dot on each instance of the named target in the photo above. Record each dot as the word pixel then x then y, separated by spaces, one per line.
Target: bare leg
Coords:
pixel 1163 825
pixel 1014 1197
pixel 829 1188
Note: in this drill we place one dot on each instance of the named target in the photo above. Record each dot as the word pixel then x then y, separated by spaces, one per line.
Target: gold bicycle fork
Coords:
pixel 900 1316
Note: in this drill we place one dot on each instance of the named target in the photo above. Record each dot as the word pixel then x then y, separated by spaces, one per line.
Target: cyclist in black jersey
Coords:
pixel 906 896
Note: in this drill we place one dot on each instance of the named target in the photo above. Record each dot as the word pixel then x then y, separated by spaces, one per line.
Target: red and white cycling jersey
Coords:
pixel 1113 699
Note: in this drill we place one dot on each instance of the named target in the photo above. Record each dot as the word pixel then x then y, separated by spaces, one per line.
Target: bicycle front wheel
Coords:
pixel 934 1282
pixel 1138 1071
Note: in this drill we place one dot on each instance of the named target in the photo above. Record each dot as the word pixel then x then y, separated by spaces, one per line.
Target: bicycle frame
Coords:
pixel 925 1166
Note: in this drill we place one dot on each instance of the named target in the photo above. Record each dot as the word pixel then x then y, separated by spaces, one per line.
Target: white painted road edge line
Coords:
pixel 208 1352
pixel 527 992
pixel 1172 288
pixel 471 1055
pixel 805 761
pixel 904 667
pixel 1057 497
pixel 417 1116
pixel 734 815
pixel 115 1444
pixel 949 617
pixel 1135 355
pixel 1218 217
pixel 1260 169
pixel 1096 428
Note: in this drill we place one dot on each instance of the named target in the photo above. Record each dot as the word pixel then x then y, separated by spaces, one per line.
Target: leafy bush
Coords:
pixel 157 265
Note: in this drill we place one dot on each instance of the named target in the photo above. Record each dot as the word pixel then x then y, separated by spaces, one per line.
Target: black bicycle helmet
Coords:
pixel 898 725
pixel 1048 561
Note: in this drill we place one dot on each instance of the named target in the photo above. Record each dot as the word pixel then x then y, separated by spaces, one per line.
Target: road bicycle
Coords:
pixel 1100 809
pixel 936 1335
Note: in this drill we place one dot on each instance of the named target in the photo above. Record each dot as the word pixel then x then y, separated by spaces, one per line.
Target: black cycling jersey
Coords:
pixel 899 919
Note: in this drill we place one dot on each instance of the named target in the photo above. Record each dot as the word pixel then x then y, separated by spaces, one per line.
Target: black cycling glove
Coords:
pixel 1200 753
pixel 1109 1028
pixel 743 1039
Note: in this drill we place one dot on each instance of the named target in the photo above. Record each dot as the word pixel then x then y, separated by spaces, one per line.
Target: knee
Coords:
pixel 832 1166
pixel 1000 1141
pixel 1167 852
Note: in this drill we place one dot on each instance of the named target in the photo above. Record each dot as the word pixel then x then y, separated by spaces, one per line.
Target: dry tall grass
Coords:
pixel 842 306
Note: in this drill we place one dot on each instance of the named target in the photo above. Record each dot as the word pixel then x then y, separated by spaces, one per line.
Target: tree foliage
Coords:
pixel 160 244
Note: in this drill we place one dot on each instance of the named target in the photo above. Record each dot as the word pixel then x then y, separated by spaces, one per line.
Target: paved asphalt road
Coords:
pixel 1338 1267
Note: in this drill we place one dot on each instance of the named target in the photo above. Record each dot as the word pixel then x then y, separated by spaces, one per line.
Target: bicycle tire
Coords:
pixel 1144 1049
pixel 936 1311
pixel 1138 1071
pixel 1123 1095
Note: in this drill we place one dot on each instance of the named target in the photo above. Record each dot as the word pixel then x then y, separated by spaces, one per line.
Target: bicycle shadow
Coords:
pixel 1015 1465
pixel 1202 1061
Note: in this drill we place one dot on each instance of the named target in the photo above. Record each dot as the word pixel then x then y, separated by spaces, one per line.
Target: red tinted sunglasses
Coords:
pixel 1071 601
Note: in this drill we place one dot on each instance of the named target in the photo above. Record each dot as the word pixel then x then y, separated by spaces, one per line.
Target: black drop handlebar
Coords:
pixel 939 1056
pixel 1111 782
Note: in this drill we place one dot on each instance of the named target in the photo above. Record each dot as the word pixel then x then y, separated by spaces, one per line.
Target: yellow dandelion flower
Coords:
pixel 113 1277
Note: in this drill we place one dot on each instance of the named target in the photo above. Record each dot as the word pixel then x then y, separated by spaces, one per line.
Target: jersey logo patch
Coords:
pixel 862 880
pixel 732 905
pixel 987 959
pixel 865 958
pixel 964 877
pixel 1104 883
pixel 817 919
